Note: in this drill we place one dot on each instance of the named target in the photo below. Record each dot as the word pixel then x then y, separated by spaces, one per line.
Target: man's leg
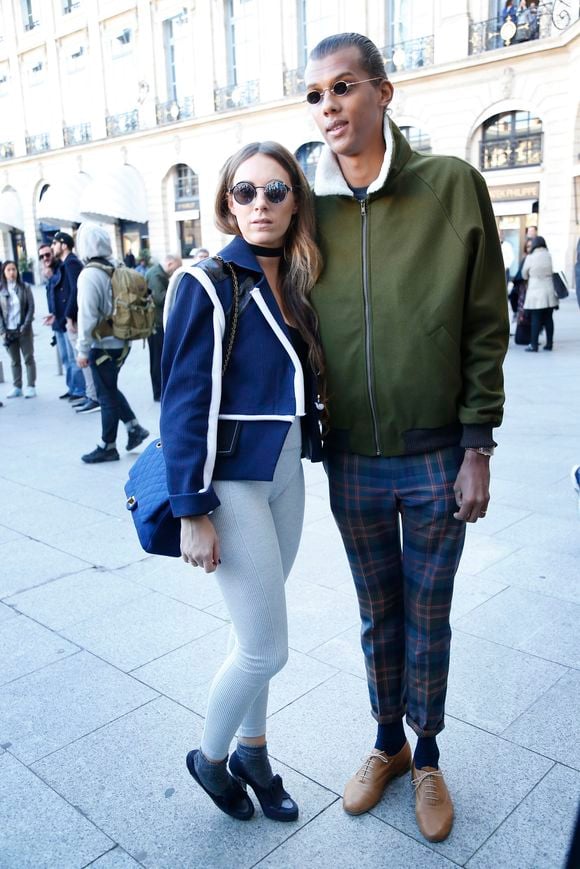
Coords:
pixel 105 371
pixel 155 342
pixel 432 545
pixel 365 509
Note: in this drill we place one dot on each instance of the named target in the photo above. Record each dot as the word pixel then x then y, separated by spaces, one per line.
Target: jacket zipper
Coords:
pixel 368 347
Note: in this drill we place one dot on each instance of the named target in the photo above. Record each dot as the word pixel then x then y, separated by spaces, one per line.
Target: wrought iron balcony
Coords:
pixel 237 96
pixel 411 54
pixel 294 84
pixel 511 152
pixel 31 24
pixel 533 23
pixel 78 134
pixel 70 6
pixel 38 143
pixel 174 110
pixel 6 150
pixel 125 122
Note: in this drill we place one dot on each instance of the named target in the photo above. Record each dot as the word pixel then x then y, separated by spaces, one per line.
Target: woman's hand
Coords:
pixel 200 545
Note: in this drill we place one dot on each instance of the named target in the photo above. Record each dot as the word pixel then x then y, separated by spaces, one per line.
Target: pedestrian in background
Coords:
pixel 198 254
pixel 62 246
pixel 106 356
pixel 541 299
pixel 16 315
pixel 157 278
pixel 57 299
pixel 233 444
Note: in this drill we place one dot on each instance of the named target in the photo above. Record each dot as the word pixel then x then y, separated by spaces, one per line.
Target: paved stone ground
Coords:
pixel 106 655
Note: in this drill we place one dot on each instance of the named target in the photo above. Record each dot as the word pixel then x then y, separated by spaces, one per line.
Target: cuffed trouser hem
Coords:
pixel 416 728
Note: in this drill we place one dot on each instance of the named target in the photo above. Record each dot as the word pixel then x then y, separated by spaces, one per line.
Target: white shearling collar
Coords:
pixel 329 180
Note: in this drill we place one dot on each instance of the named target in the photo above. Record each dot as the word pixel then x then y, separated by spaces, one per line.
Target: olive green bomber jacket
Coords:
pixel 411 304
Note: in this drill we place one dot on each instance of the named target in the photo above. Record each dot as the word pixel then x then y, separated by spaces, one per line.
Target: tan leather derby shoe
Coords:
pixel 364 790
pixel 433 805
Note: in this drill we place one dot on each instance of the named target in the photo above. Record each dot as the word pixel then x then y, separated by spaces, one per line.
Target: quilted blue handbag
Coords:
pixel 148 500
pixel 146 489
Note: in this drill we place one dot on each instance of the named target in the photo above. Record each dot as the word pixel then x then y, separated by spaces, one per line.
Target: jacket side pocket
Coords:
pixel 228 434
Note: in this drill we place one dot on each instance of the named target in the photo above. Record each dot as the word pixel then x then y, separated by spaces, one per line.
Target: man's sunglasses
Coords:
pixel 339 89
pixel 244 192
pixel 46 256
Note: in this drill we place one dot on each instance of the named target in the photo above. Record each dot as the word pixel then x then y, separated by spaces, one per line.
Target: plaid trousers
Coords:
pixel 404 586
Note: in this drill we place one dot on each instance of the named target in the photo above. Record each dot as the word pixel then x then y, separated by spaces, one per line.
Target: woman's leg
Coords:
pixel 27 348
pixel 536 323
pixel 251 579
pixel 549 325
pixel 13 351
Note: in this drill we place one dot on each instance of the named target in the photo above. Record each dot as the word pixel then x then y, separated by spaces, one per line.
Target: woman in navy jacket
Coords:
pixel 233 443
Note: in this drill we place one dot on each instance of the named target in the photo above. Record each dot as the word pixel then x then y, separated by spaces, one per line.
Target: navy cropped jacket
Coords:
pixel 230 428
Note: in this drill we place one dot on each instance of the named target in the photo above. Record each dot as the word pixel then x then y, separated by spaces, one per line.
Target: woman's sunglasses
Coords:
pixel 339 89
pixel 244 192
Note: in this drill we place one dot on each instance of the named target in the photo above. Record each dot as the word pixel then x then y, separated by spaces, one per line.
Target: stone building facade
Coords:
pixel 125 110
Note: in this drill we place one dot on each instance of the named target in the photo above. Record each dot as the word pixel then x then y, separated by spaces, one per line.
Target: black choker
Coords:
pixel 266 251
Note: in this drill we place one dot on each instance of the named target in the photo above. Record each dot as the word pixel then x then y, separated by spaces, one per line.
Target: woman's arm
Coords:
pixel 191 372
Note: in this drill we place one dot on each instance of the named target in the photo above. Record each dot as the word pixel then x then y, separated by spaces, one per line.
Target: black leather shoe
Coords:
pixel 136 436
pixel 235 802
pixel 270 797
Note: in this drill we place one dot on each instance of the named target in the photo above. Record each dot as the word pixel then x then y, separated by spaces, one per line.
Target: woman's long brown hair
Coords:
pixel 301 263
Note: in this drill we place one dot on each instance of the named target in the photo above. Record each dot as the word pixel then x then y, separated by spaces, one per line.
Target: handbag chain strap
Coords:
pixel 235 314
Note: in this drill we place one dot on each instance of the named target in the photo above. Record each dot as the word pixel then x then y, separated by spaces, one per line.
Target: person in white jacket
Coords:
pixel 104 355
pixel 541 298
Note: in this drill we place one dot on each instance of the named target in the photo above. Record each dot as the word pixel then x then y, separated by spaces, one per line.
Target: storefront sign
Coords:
pixel 513 192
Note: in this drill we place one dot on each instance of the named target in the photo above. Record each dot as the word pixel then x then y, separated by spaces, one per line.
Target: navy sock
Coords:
pixel 391 737
pixel 426 752
pixel 256 762
pixel 214 774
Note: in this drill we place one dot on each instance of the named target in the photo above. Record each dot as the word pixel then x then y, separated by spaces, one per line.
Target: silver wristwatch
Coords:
pixel 483 451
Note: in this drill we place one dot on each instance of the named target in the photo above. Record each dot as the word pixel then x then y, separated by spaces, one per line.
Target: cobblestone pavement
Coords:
pixel 106 656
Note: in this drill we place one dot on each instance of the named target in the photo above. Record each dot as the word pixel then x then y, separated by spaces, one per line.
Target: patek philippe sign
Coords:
pixel 513 192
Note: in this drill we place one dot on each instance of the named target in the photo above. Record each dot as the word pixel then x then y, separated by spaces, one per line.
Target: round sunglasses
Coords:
pixel 244 192
pixel 339 89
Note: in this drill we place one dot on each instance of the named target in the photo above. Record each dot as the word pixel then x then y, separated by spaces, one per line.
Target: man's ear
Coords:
pixel 387 91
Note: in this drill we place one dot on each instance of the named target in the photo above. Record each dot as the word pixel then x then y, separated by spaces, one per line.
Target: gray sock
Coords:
pixel 256 762
pixel 214 774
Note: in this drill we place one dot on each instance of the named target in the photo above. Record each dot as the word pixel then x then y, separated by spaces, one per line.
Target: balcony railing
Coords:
pixel 31 23
pixel 126 122
pixel 6 150
pixel 533 23
pixel 411 54
pixel 38 143
pixel 294 84
pixel 511 152
pixel 174 110
pixel 70 6
pixel 78 134
pixel 236 96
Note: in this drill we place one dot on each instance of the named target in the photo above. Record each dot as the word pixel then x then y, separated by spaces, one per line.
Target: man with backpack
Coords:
pixel 98 343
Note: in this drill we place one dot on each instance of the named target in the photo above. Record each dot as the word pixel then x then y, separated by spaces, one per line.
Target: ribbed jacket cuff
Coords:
pixel 477 436
pixel 197 504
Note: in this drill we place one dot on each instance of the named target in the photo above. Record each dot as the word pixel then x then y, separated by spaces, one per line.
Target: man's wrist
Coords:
pixel 481 451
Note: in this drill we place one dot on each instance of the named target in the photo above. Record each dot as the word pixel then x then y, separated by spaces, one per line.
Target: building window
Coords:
pixel 178 56
pixel 418 139
pixel 511 140
pixel 241 31
pixel 187 213
pixel 308 156
pixel 316 19
pixel 186 186
pixel 30 14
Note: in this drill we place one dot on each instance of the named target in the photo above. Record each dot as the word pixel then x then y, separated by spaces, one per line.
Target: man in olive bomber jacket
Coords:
pixel 413 321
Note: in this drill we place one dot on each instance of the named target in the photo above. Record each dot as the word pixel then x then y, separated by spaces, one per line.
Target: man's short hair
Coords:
pixel 65 238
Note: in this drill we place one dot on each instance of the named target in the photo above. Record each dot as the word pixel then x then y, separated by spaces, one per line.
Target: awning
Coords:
pixel 62 201
pixel 10 211
pixel 118 194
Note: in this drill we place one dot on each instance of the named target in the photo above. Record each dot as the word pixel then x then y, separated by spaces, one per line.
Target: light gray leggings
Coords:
pixel 259 526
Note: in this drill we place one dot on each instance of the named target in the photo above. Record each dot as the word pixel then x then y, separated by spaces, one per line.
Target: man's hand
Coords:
pixel 48 320
pixel 199 542
pixel 82 362
pixel 71 326
pixel 472 487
